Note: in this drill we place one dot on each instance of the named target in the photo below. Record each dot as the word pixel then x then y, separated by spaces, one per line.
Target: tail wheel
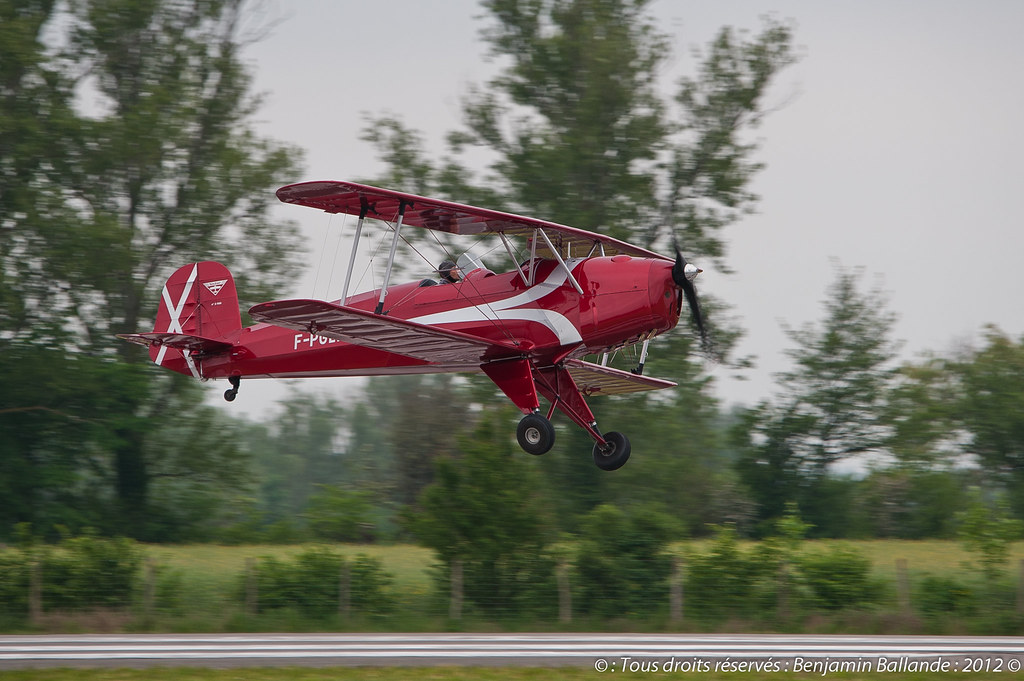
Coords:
pixel 231 393
pixel 614 454
pixel 535 433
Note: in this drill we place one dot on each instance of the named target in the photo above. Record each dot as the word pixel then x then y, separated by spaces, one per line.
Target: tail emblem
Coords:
pixel 214 287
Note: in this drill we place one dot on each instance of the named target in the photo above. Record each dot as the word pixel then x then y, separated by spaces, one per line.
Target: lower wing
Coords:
pixel 594 379
pixel 400 336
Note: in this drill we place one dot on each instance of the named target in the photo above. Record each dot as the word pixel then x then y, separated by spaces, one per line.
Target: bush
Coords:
pixel 944 595
pixel 312 583
pixel 14 582
pixel 83 572
pixel 839 578
pixel 622 563
pixel 730 582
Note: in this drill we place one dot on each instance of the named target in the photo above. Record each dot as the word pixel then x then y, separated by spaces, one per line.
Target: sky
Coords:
pixel 894 145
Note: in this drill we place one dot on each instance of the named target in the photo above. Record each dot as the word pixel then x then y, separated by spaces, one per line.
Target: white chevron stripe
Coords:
pixel 500 310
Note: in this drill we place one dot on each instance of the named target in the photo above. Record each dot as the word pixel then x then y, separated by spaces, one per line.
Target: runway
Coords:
pixel 602 652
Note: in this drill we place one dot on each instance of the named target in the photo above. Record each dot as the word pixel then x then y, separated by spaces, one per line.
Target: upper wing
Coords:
pixel 594 379
pixel 359 327
pixel 446 216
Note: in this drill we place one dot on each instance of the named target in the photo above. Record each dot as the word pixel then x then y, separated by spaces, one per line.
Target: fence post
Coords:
pixel 564 593
pixel 903 585
pixel 345 590
pixel 149 591
pixel 35 592
pixel 252 595
pixel 455 608
pixel 782 602
pixel 675 592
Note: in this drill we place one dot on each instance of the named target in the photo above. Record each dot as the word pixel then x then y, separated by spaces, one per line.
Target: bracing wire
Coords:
pixel 320 263
pixel 334 263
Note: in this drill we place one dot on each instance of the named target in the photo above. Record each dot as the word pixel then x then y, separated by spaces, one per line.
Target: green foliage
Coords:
pixel 83 572
pixel 90 572
pixel 340 515
pixel 96 208
pixel 728 581
pixel 991 409
pixel 986 530
pixel 942 596
pixel 481 510
pixel 791 528
pixel 14 583
pixel 312 584
pixel 909 503
pixel 837 578
pixel 622 562
pixel 830 407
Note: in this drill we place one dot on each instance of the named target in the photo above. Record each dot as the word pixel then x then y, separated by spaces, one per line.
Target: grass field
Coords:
pixel 218 566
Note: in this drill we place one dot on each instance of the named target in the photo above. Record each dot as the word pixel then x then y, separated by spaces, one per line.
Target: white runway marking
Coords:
pixel 482 649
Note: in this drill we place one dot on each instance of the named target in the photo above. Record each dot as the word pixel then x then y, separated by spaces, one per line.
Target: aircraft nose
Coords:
pixel 664 293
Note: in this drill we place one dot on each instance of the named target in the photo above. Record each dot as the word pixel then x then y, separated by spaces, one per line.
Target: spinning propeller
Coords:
pixel 683 274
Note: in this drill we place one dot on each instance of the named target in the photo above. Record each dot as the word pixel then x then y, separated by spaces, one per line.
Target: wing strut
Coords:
pixel 355 246
pixel 558 257
pixel 391 257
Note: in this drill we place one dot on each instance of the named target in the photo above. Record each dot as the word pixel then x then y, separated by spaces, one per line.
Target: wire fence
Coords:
pixel 321 589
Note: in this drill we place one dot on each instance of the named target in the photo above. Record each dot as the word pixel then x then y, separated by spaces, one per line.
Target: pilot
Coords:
pixel 449 272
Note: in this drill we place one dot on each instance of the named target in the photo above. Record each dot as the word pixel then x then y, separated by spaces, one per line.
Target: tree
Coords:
pixel 581 135
pixel 967 408
pixel 991 410
pixel 922 410
pixel 100 203
pixel 831 404
pixel 986 529
pixel 481 510
pixel 425 416
pixel 578 132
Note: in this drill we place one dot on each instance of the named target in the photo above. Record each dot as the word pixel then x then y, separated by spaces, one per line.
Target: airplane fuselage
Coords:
pixel 625 300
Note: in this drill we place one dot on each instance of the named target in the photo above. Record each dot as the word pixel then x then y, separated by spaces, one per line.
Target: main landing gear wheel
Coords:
pixel 535 433
pixel 231 393
pixel 613 455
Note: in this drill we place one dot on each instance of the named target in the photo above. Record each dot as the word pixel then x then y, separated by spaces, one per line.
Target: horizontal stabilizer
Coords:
pixel 178 341
pixel 391 334
pixel 594 379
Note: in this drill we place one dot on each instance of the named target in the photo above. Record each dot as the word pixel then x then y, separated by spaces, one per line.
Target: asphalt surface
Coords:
pixel 679 653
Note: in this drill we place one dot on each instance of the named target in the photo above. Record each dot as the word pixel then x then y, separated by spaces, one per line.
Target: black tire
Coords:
pixel 615 454
pixel 536 435
pixel 230 394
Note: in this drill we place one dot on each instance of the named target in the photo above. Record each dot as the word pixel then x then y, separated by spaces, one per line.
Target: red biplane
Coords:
pixel 569 294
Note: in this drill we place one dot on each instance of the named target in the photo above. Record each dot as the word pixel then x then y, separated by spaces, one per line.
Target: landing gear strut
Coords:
pixel 231 393
pixel 535 433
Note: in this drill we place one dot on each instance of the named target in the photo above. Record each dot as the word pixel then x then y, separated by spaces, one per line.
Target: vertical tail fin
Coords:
pixel 198 313
pixel 199 299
